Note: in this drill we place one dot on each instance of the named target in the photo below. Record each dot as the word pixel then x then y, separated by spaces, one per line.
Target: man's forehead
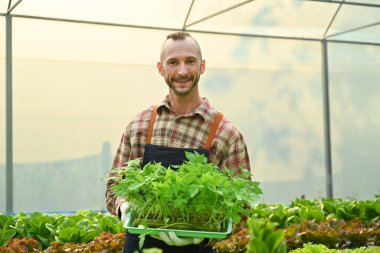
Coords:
pixel 174 49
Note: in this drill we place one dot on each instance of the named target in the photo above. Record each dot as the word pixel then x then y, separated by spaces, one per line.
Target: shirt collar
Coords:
pixel 204 109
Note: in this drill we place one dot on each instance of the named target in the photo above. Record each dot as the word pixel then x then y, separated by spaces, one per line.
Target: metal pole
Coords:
pixel 250 35
pixel 326 112
pixel 8 118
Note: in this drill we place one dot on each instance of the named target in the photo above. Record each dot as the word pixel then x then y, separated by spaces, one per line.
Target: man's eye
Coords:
pixel 172 62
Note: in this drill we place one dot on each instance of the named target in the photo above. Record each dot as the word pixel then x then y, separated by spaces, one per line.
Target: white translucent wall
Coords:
pixel 272 90
pixel 74 93
pixel 2 115
pixel 355 121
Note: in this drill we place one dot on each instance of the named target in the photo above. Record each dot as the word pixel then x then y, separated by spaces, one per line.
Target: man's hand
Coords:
pixel 172 239
pixel 124 209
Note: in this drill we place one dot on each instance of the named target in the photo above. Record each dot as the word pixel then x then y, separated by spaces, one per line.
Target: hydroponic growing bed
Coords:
pixel 325 225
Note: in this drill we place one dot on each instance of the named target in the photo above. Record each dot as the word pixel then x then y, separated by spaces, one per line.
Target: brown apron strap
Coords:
pixel 151 123
pixel 210 137
pixel 214 127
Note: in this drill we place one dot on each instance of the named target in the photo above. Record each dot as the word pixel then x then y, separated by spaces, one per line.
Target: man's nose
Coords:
pixel 182 69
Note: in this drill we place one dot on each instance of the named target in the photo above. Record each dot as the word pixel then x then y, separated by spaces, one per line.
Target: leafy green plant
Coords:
pixel 110 223
pixel 264 237
pixel 319 248
pixel 6 232
pixel 318 210
pixel 334 233
pixel 196 192
pixel 16 245
pixel 308 209
pixel 105 242
pixel 152 250
pixel 277 213
pixel 84 226
pixel 35 226
pixel 368 210
pixel 236 243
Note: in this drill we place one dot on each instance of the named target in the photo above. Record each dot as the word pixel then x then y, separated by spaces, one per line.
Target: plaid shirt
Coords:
pixel 186 131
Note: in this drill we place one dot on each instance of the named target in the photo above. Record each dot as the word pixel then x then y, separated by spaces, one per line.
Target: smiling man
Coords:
pixel 181 65
pixel 183 121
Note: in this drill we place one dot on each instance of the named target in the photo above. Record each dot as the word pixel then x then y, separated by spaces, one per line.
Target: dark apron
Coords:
pixel 168 156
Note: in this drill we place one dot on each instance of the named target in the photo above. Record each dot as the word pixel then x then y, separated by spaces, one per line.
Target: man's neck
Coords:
pixel 183 105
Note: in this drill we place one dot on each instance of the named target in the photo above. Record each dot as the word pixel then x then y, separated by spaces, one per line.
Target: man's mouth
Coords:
pixel 183 80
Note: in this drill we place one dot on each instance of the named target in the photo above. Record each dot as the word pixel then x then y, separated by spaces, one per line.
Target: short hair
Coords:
pixel 180 35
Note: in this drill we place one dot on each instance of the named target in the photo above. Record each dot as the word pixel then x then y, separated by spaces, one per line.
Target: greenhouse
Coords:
pixel 299 78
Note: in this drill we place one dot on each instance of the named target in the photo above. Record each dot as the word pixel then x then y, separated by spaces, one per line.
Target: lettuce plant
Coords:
pixel 6 232
pixel 319 248
pixel 264 237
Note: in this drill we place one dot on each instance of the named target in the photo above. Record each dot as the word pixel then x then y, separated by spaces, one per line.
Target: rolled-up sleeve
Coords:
pixel 112 202
pixel 237 155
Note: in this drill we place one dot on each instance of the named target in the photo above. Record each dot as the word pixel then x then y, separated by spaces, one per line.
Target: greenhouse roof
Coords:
pixel 356 21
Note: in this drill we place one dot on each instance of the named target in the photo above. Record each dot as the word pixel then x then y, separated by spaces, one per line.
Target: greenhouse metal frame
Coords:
pixel 188 26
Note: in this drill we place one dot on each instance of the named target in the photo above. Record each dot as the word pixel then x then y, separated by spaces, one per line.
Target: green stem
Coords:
pixel 212 213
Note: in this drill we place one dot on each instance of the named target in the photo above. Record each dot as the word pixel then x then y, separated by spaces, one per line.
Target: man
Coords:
pixel 184 121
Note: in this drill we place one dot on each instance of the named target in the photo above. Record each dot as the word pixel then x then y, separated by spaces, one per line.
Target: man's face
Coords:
pixel 181 65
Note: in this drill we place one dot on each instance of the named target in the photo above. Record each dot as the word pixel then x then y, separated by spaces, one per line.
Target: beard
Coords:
pixel 182 91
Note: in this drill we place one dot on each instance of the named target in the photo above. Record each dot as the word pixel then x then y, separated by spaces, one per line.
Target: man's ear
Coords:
pixel 203 66
pixel 160 68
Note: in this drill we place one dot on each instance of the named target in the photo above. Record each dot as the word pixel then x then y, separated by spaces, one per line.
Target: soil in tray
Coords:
pixel 181 226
